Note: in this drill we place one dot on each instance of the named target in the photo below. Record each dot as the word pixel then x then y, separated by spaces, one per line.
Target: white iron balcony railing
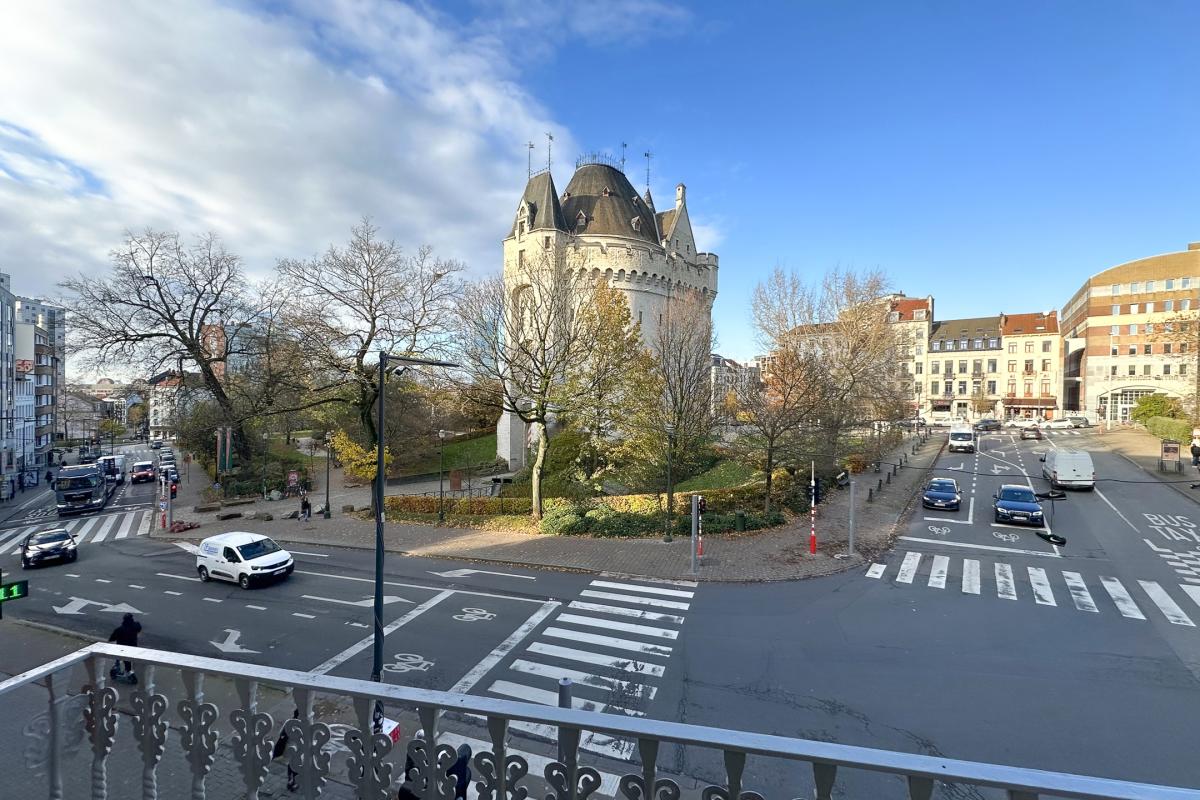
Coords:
pixel 55 753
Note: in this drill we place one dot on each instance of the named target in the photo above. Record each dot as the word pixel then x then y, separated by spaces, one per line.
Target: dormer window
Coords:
pixel 581 222
pixel 893 316
pixel 565 197
pixel 636 222
pixel 605 192
pixel 919 314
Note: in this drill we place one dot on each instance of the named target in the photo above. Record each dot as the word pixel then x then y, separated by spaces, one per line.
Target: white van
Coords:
pixel 243 558
pixel 113 468
pixel 1071 469
pixel 962 439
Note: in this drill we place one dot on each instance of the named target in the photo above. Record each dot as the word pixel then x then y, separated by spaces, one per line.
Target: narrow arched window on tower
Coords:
pixel 581 221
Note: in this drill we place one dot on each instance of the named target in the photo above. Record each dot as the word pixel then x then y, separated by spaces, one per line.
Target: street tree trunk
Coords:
pixel 536 474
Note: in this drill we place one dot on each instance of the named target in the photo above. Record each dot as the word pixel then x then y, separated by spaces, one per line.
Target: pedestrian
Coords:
pixel 21 482
pixel 281 748
pixel 305 509
pixel 50 478
pixel 126 634
pixel 461 771
pixel 1196 451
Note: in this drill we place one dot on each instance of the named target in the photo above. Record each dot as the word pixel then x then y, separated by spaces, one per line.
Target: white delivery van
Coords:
pixel 962 439
pixel 1071 469
pixel 243 558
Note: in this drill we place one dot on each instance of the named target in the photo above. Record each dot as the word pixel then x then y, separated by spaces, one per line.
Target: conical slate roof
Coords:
pixel 542 198
pixel 610 203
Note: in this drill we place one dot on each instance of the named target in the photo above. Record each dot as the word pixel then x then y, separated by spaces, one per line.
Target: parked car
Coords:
pixel 156 445
pixel 40 548
pixel 1069 468
pixel 1080 422
pixel 1021 422
pixel 987 425
pixel 1058 424
pixel 1017 504
pixel 942 493
pixel 143 471
pixel 1032 432
pixel 243 558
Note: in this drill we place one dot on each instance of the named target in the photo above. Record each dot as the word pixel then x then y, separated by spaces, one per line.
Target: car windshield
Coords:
pixel 142 466
pixel 78 482
pixel 959 437
pixel 941 486
pixel 260 548
pixel 48 537
pixel 1018 495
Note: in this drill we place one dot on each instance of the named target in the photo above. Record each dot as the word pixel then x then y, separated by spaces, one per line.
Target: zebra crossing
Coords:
pixel 1047 587
pixel 91 530
pixel 614 641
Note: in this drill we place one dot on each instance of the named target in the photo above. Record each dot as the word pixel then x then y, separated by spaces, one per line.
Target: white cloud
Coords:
pixel 276 131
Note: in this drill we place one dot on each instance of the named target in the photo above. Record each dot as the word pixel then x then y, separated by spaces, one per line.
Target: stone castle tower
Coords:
pixel 602 226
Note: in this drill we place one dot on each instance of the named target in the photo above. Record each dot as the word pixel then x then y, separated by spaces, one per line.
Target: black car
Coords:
pixel 942 493
pixel 1017 504
pixel 987 425
pixel 41 548
pixel 156 445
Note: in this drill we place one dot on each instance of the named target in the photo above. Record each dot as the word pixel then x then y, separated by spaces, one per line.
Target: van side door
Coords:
pixel 226 564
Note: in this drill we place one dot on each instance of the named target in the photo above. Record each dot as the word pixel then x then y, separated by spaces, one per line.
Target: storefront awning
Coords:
pixel 1031 402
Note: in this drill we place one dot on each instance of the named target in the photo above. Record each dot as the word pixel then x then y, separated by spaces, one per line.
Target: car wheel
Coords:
pixel 244 581
pixel 74 556
pixel 204 574
pixel 996 516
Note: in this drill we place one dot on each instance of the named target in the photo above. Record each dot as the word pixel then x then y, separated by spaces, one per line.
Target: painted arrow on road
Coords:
pixel 230 645
pixel 387 600
pixel 462 573
pixel 997 469
pixel 77 605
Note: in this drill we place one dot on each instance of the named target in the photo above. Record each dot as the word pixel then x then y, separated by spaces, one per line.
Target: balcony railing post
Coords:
pixel 252 743
pixel 198 737
pixel 100 722
pixel 569 780
pixel 919 788
pixel 54 755
pixel 369 770
pixel 306 742
pixel 497 768
pixel 150 729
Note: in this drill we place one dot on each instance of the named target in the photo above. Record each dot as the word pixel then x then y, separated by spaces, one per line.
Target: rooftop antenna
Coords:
pixel 623 146
pixel 529 161
pixel 549 144
pixel 649 156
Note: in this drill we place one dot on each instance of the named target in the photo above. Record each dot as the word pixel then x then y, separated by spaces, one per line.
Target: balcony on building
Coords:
pixel 205 727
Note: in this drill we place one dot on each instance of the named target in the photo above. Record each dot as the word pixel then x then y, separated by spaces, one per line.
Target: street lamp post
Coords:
pixel 670 453
pixel 377 649
pixel 328 458
pixel 441 474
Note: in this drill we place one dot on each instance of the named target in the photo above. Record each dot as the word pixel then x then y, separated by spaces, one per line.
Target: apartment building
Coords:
pixel 912 318
pixel 962 365
pixel 53 320
pixel 726 378
pixel 1032 374
pixel 1130 331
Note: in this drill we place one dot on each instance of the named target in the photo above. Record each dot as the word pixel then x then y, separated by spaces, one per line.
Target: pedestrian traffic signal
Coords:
pixel 174 488
pixel 703 505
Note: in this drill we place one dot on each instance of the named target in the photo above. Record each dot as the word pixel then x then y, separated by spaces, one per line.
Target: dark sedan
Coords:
pixel 942 493
pixel 1032 432
pixel 1017 504
pixel 987 425
pixel 46 546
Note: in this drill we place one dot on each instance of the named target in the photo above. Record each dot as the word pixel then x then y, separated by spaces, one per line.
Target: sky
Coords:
pixel 992 154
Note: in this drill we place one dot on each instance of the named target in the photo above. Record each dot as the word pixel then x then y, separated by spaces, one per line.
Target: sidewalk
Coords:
pixel 777 554
pixel 1142 448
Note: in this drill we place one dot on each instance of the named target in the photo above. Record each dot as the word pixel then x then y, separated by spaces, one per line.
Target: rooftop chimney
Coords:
pixel 1193 245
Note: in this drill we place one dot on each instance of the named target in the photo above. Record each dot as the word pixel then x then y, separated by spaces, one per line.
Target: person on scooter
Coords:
pixel 126 634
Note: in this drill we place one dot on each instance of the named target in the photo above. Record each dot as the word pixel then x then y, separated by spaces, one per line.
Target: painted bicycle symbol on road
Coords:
pixel 938 531
pixel 1006 537
pixel 474 615
pixel 408 662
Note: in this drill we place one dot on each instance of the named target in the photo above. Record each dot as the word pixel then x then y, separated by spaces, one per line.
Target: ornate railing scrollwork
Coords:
pixel 569 780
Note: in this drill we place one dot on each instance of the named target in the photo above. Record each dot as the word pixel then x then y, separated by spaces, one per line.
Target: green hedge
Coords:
pixel 422 504
pixel 1167 428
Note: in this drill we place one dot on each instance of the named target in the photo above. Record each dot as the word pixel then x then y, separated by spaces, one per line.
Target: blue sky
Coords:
pixel 992 154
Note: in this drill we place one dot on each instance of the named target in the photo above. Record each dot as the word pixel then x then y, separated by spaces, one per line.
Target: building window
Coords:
pixel 935 346
pixel 1183 369
pixel 1045 388
pixel 1029 365
pixel 936 367
pixel 1167 348
pixel 1149 286
pixel 1145 369
pixel 933 387
pixel 962 366
pixel 949 344
pixel 1045 365
pixel 1115 330
pixel 979 344
pixel 976 387
pixel 1166 369
pixel 991 387
pixel 1012 388
pixel 1134 287
pixel 1148 327
pixel 962 387
pixel 949 368
pixel 1113 370
pixel 1114 350
pixel 993 343
pixel 991 365
pixel 1012 347
pixel 520 259
pixel 1185 283
pixel 1132 370
pixel 1028 388
pixel 919 314
pixel 1029 347
pixel 1148 349
pixel 1133 349
pixel 1133 308
pixel 920 350
pixel 920 367
pixel 1168 305
pixel 1170 284
pixel 1133 330
pixel 1116 309
pixel 1045 345
pixel 1150 307
pixel 1116 288
pixel 1012 366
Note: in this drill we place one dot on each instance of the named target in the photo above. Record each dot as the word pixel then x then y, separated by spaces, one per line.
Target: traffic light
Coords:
pixel 174 488
pixel 703 505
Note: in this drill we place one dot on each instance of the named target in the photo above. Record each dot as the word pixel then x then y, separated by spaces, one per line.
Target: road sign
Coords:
pixel 293 478
pixel 12 591
pixel 162 505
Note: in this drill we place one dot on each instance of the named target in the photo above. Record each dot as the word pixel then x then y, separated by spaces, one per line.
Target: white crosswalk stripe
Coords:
pixel 1169 607
pixel 908 569
pixel 1121 598
pixel 1079 592
pixel 937 574
pixel 1005 586
pixel 970 578
pixel 637 613
pixel 86 530
pixel 1041 586
pixel 16 537
pixel 642 601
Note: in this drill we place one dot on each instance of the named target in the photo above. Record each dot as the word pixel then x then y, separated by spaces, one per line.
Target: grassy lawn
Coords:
pixel 460 455
pixel 725 475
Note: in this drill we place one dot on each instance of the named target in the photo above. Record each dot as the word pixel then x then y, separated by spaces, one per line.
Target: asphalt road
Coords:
pixel 969 640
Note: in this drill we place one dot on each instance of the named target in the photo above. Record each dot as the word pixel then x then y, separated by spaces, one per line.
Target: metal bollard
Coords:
pixel 879 488
pixel 564 701
pixel 870 493
pixel 889 477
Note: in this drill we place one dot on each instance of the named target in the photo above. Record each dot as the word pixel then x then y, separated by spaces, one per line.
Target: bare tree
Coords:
pixel 368 296
pixel 523 335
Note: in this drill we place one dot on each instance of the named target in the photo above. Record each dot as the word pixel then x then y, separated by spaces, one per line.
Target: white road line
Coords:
pixel 609 783
pixel 83 529
pixel 980 546
pixel 1166 605
pixel 609 641
pixel 19 535
pixel 302 616
pixel 908 568
pixel 179 577
pixel 419 586
pixel 210 600
pixel 1079 592
pixel 103 580
pixel 1041 586
pixel 102 532
pixel 468 681
pixel 641 601
pixel 937 573
pixel 599 659
pixel 547 698
pixel 876 570
pixel 358 647
pixel 632 587
pixel 135 586
pixel 126 525
pixel 256 608
pixel 624 627
pixel 600 743
pixel 168 591
pixel 637 613
pixel 1192 592
pixel 1100 494
pixel 1005 587
pixel 1121 598
pixel 666 581
pixel 971 506
pixel 970 579
pixel 147 520
pixel 619 686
